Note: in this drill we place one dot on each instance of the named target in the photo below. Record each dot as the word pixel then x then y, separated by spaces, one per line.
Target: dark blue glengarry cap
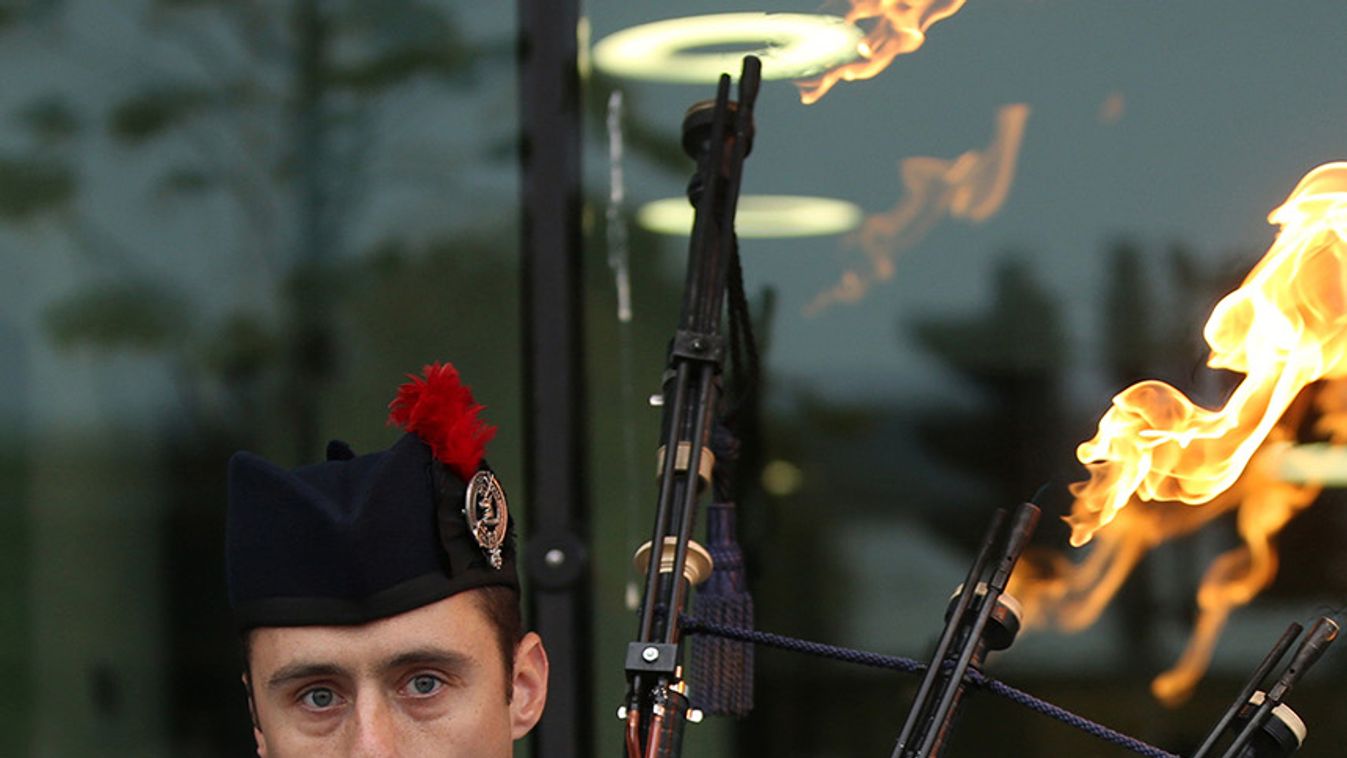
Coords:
pixel 359 538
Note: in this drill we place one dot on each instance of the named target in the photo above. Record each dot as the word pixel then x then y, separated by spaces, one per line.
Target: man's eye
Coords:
pixel 423 685
pixel 318 698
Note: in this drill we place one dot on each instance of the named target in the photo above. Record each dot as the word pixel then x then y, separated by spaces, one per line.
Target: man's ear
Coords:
pixel 530 685
pixel 252 713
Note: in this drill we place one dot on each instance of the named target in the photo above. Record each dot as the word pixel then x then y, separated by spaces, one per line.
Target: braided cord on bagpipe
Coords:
pixel 693 625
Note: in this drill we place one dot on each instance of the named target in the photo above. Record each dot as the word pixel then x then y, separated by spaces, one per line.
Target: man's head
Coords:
pixel 377 596
pixel 428 682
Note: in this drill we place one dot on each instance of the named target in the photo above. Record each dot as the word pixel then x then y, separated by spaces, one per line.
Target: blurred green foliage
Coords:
pixel 30 186
pixel 130 316
pixel 51 120
pixel 152 112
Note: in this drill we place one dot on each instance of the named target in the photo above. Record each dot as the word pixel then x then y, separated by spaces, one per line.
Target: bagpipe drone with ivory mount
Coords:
pixel 670 684
pixel 718 135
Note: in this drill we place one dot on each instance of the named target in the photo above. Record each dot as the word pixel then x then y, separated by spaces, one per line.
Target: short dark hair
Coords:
pixel 500 604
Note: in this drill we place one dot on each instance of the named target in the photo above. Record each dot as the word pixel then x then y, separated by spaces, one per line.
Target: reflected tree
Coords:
pixel 1010 360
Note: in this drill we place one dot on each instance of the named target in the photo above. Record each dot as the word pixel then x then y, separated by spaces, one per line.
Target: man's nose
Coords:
pixel 375 729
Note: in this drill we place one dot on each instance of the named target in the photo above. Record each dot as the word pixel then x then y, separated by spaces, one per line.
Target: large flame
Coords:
pixel 1284 327
pixel 896 27
pixel 971 187
pixel 1157 454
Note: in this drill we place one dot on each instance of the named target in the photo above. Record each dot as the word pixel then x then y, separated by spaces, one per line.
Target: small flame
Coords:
pixel 897 27
pixel 1156 451
pixel 971 187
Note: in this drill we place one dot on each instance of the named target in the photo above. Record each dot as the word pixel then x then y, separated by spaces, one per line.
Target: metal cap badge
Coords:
pixel 487 514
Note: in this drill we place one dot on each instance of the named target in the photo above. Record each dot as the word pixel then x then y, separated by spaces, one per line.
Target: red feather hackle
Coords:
pixel 440 410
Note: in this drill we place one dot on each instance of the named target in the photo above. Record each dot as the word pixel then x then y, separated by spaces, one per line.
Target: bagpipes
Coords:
pixel 697 453
pixel 718 135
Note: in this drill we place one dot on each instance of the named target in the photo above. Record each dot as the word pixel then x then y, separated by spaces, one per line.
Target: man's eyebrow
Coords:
pixel 304 670
pixel 450 660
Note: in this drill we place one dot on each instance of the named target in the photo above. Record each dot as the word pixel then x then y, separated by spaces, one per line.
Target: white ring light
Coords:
pixel 791 46
pixel 759 216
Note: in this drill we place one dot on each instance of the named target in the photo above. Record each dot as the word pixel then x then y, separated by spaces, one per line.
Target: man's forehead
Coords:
pixel 453 627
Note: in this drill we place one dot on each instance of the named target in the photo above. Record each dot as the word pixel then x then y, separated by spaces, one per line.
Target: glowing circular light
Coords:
pixel 791 46
pixel 782 478
pixel 759 216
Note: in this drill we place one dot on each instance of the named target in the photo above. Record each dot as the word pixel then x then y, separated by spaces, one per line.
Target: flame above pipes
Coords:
pixel 1161 466
pixel 971 188
pixel 895 27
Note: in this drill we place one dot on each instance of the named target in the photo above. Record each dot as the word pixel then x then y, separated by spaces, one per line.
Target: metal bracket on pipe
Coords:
pixel 652 657
pixel 707 348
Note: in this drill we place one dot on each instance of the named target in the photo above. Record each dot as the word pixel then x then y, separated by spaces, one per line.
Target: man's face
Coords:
pixel 429 682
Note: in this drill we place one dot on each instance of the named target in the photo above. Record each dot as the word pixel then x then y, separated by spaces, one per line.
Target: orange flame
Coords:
pixel 971 187
pixel 1284 328
pixel 1072 596
pixel 898 28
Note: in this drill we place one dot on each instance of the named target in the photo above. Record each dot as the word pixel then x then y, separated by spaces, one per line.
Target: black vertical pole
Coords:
pixel 557 561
